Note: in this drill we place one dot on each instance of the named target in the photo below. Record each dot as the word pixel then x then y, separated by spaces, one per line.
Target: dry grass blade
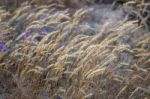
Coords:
pixel 94 73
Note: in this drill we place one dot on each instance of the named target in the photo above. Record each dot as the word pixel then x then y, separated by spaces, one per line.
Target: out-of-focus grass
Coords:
pixel 51 56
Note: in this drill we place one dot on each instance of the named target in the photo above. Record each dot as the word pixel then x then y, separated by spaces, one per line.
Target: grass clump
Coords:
pixel 53 51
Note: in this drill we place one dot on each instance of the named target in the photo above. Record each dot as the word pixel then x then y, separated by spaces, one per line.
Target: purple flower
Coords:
pixel 3 48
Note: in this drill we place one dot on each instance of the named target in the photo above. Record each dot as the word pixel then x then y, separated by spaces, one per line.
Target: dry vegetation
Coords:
pixel 52 52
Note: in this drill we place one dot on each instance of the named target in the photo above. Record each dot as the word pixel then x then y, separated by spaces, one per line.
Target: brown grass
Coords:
pixel 65 63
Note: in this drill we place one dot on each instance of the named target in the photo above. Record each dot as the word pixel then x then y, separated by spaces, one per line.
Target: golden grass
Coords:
pixel 67 64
